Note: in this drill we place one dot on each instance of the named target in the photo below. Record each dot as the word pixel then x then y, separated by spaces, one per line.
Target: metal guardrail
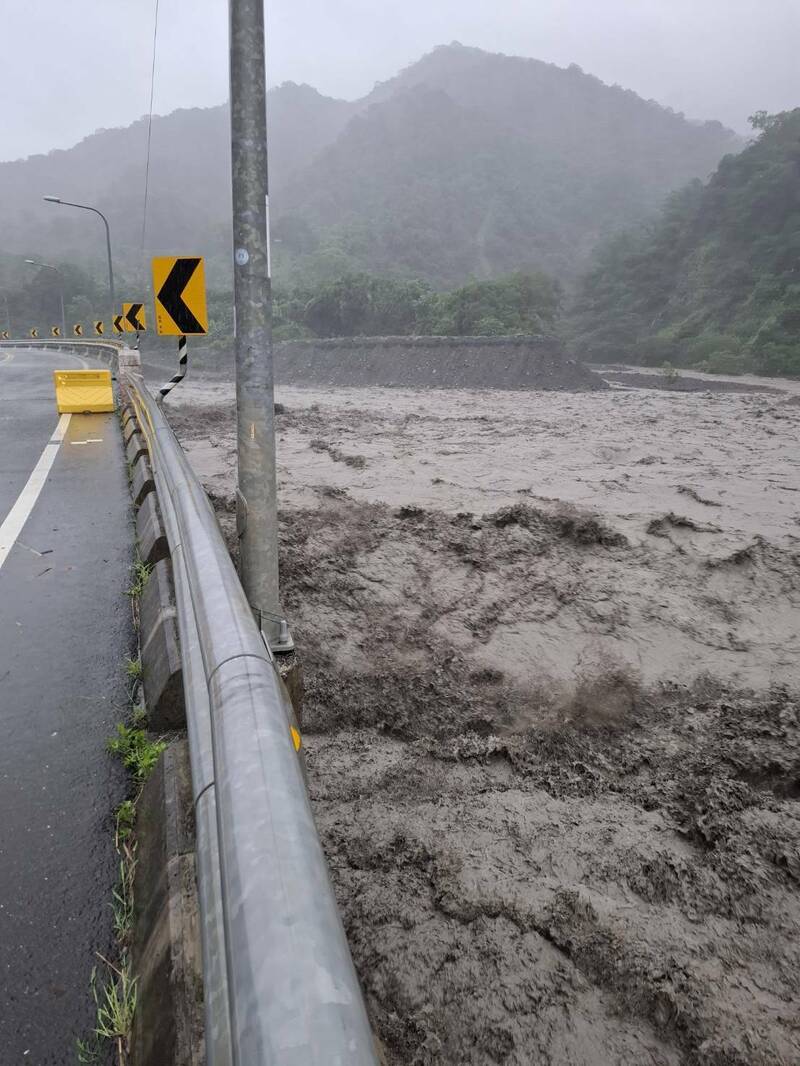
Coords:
pixel 280 985
pixel 108 350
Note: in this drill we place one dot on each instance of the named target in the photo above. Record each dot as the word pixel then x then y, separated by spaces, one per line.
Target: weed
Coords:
pixel 122 896
pixel 133 668
pixel 124 818
pixel 140 574
pixel 139 716
pixel 138 752
pixel 669 373
pixel 116 1006
pixel 89 1051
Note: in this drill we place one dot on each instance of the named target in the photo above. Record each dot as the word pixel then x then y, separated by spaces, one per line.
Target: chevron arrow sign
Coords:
pixel 179 284
pixel 133 318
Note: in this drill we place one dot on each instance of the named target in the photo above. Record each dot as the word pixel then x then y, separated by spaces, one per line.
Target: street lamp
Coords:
pixel 49 266
pixel 86 207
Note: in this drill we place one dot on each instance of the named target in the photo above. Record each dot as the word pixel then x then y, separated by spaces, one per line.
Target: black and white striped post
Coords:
pixel 183 359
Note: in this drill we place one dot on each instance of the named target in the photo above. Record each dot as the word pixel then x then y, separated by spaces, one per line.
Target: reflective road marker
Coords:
pixel 18 515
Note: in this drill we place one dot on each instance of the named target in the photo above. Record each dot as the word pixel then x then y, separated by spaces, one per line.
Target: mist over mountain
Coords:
pixel 713 280
pixel 467 164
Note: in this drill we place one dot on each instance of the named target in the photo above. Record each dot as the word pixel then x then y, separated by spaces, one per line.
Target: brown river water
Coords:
pixel 551 652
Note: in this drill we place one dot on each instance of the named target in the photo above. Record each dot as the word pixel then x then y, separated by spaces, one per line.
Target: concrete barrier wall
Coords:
pixel 411 362
pixel 434 362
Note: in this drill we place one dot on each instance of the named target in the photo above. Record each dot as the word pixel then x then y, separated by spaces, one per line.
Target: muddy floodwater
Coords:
pixel 551 646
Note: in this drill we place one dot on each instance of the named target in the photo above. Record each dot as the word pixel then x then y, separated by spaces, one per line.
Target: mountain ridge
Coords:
pixel 543 162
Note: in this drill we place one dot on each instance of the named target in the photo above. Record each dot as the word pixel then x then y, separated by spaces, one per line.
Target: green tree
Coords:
pixel 713 280
pixel 517 304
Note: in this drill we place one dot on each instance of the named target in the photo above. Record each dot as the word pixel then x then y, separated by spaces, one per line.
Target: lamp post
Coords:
pixel 49 266
pixel 86 207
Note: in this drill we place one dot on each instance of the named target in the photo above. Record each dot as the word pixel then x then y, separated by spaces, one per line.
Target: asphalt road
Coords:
pixel 65 629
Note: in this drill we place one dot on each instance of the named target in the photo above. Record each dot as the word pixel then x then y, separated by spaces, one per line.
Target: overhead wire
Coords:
pixel 149 128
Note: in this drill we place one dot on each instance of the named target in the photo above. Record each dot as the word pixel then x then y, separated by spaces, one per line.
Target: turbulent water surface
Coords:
pixel 550 643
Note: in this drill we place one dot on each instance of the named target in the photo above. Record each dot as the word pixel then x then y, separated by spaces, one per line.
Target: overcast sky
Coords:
pixel 69 68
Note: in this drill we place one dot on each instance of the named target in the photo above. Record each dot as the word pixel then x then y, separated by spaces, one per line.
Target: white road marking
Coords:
pixel 18 515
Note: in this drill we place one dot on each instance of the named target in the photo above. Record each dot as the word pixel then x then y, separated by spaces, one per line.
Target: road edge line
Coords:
pixel 15 520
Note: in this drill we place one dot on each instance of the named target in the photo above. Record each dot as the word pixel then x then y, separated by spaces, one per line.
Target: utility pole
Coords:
pixel 257 519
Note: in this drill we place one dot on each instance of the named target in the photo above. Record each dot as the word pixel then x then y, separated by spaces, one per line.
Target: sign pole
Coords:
pixel 257 520
pixel 183 358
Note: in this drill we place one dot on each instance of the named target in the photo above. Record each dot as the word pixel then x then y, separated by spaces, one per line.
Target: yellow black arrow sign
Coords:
pixel 133 319
pixel 179 285
pixel 99 329
pixel 34 332
pixel 4 334
pixel 55 331
pixel 77 329
pixel 118 327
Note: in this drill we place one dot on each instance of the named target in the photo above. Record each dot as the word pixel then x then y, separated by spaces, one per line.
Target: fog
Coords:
pixel 71 69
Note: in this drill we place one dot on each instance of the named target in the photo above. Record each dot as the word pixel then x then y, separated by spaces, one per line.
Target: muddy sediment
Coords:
pixel 681 381
pixel 553 736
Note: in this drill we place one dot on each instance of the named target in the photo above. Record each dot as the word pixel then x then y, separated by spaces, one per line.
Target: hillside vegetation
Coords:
pixel 714 280
pixel 466 165
pixel 360 305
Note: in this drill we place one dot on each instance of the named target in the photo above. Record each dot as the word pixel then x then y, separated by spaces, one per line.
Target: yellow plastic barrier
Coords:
pixel 79 391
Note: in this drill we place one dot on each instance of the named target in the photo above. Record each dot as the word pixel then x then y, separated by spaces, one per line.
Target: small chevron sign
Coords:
pixel 133 319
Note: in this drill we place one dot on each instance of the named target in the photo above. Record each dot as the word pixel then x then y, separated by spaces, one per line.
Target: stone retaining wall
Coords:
pixel 434 362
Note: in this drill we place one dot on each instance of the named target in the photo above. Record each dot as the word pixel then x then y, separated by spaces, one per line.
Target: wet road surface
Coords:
pixel 65 629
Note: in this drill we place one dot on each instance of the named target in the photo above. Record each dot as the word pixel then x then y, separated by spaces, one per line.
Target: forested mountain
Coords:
pixel 189 201
pixel 715 278
pixel 467 164
pixel 476 164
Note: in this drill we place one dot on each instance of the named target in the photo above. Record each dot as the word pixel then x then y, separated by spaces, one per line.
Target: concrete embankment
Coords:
pixel 412 362
pixel 437 362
